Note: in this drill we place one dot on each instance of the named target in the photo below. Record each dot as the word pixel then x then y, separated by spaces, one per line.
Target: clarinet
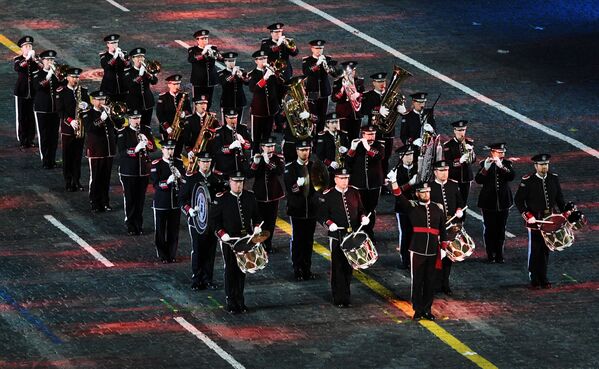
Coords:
pixel 175 172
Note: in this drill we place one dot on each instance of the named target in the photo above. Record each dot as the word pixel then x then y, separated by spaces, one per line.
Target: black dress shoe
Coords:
pixel 447 291
pixel 172 260
pixel 197 286
pixel 211 286
pixel 499 260
pixel 233 311
pixel 164 261
pixel 546 285
pixel 244 309
pixel 429 316
pixel 107 208
pixel 309 276
pixel 80 187
pixel 490 261
pixel 417 316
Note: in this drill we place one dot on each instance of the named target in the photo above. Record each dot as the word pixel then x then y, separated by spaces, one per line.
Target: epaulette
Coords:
pixel 265 40
pixel 452 180
pixel 164 93
pixel 414 203
pixel 156 161
pixel 220 194
pixel 58 89
pixel 526 176
pixel 306 57
pixel 288 164
pixel 17 57
pixel 469 140
pixel 321 133
pixel 354 187
pixel 102 53
pixel 438 204
pixel 343 131
pixel 327 190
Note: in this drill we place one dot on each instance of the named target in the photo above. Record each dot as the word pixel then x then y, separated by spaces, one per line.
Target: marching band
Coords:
pixel 331 166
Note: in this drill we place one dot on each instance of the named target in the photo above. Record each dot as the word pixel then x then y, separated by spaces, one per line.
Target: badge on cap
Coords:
pixel 25 40
pixel 317 43
pixel 541 159
pixel 204 156
pixel 440 165
pixel 423 187
pixel 342 172
pixel 237 176
pixel 168 144
pixel 138 51
pixel 98 95
pixel 332 117
pixel 419 96
pixel 112 38
pixel 231 113
pixel 201 33
pixel 174 78
pixel 200 99
pixel 500 146
pixel 459 124
pixel 269 141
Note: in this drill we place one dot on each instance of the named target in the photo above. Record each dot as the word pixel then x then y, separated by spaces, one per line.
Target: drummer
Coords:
pixel 235 216
pixel 538 196
pixel 342 212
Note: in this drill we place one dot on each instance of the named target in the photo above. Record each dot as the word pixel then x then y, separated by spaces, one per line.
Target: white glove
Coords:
pixel 365 144
pixel 417 142
pixel 74 124
pixel 169 130
pixel 49 75
pixel 170 179
pixel 225 237
pixel 257 158
pixel 121 55
pixel 333 227
pixel 190 155
pixel 104 116
pixel 300 181
pixel 304 115
pixel 499 163
pixel 531 220
pixel 469 147
pixel 459 213
pixel 384 111
pixel 267 74
pixel 355 95
pixel 192 212
pixel 280 40
pixel 392 176
pixel 257 229
pixel 30 54
pixel 354 144
pixel 443 253
pixel 142 71
pixel 464 158
pixel 412 180
pixel 117 53
pixel 401 109
pixel 487 164
pixel 240 139
pixel 235 145
pixel 321 59
pixel 182 115
pixel 342 149
pixel 365 220
pixel 265 157
pixel 206 48
pixel 334 165
pixel 140 146
pixel 428 128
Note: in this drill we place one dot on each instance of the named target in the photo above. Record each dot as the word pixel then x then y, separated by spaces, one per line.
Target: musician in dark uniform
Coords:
pixel 349 114
pixel 265 105
pixel 46 83
pixel 203 245
pixel 195 123
pixel 332 145
pixel 100 143
pixel 229 145
pixel 446 192
pixel 203 57
pixel 278 47
pixel 25 64
pixel 235 215
pixel 138 81
pixel 364 161
pixel 302 201
pixel 71 100
pixel 459 153
pixel 317 68
pixel 289 137
pixel 538 196
pixel 166 180
pixel 114 61
pixel 428 237
pixel 405 175
pixel 417 120
pixel 495 199
pixel 341 210
pixel 267 170
pixel 232 79
pixel 134 142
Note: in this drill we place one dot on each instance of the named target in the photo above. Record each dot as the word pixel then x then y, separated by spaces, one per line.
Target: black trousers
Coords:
pixel 204 90
pixel 203 252
pixel 268 211
pixel 319 108
pixel 423 277
pixel 47 132
pixel 134 190
pixel 351 126
pixel 100 170
pixel 234 279
pixel 370 200
pixel 25 120
pixel 494 232
pixel 341 274
pixel 538 258
pixel 442 280
pixel 166 232
pixel 146 117
pixel 388 153
pixel 261 127
pixel 405 237
pixel 289 153
pixel 464 191
pixel 72 152
pixel 302 241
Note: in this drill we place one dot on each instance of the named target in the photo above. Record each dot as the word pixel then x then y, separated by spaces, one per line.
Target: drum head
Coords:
pixel 557 221
pixel 353 240
pixel 200 199
pixel 242 245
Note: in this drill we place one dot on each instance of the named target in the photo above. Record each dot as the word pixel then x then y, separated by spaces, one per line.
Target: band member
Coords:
pixel 235 215
pixel 342 212
pixel 134 142
pixel 203 57
pixel 46 83
pixel 302 201
pixel 280 48
pixel 203 245
pixel 71 101
pixel 495 199
pixel 167 180
pixel 417 120
pixel 332 145
pixel 229 144
pixel 266 101
pixel 25 64
pixel 138 80
pixel 349 104
pixel 405 175
pixel 232 79
pixel 267 169
pixel 289 136
pixel 114 61
pixel 364 161
pixel 317 68
pixel 100 144
pixel 194 125
pixel 446 192
pixel 429 236
pixel 538 196
pixel 459 152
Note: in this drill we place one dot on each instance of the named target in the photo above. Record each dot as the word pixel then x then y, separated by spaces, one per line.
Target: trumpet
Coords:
pixel 276 72
pixel 213 53
pixel 116 109
pixel 290 42
pixel 153 66
pixel 60 70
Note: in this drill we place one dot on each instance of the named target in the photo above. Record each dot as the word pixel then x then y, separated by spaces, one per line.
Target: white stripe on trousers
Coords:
pixel 412 277
pixel 37 127
pixel 17 116
pixel 124 197
pixel 529 252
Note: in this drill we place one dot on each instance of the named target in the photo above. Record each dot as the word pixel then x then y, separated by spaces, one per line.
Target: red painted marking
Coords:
pixel 43 24
pixel 167 325
pixel 92 75
pixel 67 363
pixel 13 202
pixel 257 333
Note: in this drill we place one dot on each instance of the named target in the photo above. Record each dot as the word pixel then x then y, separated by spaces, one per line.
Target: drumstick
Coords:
pixel 453 217
pixel 544 221
pixel 253 234
pixel 360 227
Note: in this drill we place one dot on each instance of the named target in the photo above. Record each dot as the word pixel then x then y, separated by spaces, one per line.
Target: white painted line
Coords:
pixel 479 217
pixel 118 5
pixel 210 343
pixel 79 240
pixel 187 46
pixel 589 150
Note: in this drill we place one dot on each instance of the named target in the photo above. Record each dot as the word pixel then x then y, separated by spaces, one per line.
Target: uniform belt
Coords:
pixel 432 231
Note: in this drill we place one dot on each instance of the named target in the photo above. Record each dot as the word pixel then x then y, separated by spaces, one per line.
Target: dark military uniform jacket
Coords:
pixel 192 130
pixel 213 182
pixel 228 159
pixel 344 107
pixel 100 136
pixel 134 163
pixel 452 152
pixel 113 81
pixel 302 201
pixel 236 215
pixel 495 193
pixel 403 178
pixel 166 108
pixel 25 68
pixel 203 67
pixel 366 166
pixel 342 208
pixel 371 103
pixel 317 79
pixel 140 95
pixel 45 91
pixel 448 195
pixel 282 52
pixel 265 102
pixel 539 197
pixel 232 95
pixel 326 148
pixel 66 105
pixel 166 195
pixel 267 178
pixel 412 123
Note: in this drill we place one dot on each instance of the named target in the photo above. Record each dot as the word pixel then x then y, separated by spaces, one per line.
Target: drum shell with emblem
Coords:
pixel 359 250
pixel 556 232
pixel 200 200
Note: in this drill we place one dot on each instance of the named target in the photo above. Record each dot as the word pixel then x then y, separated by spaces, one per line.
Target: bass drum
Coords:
pixel 200 200
pixel 558 233
pixel 359 250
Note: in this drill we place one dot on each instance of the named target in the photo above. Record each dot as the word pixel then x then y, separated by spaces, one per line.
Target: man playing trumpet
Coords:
pixel 139 78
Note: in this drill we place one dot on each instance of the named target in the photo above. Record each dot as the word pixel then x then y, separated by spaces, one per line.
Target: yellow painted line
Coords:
pixel 9 44
pixel 404 306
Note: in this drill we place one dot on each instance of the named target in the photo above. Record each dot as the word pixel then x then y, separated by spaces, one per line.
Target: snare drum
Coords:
pixel 359 250
pixel 461 247
pixel 558 233
pixel 253 260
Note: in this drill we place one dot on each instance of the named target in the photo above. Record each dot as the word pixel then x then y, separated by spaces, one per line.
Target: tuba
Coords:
pixel 391 99
pixel 176 124
pixel 294 103
pixel 206 134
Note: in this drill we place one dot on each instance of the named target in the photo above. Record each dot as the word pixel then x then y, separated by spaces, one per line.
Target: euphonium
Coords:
pixel 116 110
pixel 152 66
pixel 206 134
pixel 350 89
pixel 294 104
pixel 176 124
pixel 391 99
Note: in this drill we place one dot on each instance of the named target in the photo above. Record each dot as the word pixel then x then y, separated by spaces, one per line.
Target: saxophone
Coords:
pixel 175 172
pixel 338 157
pixel 206 134
pixel 80 107
pixel 176 124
